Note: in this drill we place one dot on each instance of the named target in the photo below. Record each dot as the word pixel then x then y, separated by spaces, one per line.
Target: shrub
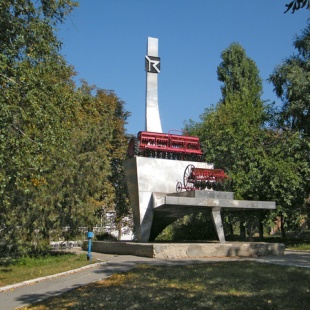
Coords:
pixel 105 236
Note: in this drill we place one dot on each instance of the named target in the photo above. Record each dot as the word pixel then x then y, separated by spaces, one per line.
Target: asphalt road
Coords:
pixel 23 294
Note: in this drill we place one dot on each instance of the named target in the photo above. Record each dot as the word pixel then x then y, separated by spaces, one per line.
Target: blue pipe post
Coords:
pixel 90 235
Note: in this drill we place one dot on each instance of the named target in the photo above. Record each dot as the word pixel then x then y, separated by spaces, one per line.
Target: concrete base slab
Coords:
pixel 189 250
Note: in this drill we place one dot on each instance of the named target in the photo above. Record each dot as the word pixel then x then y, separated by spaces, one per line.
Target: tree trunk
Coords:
pixel 242 230
pixel 119 228
pixel 261 229
pixel 261 225
pixel 231 229
pixel 249 231
pixel 283 235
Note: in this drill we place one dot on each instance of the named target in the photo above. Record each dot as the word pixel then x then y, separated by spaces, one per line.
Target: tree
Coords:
pixel 61 147
pixel 232 128
pixel 296 5
pixel 36 101
pixel 232 131
pixel 241 134
pixel 240 77
pixel 100 145
pixel 285 170
pixel 118 153
pixel 291 81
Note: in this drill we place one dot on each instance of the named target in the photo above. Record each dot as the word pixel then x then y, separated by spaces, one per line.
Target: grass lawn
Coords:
pixel 223 285
pixel 297 246
pixel 15 271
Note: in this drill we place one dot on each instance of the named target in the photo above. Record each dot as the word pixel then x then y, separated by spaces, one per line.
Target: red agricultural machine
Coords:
pixel 201 178
pixel 165 145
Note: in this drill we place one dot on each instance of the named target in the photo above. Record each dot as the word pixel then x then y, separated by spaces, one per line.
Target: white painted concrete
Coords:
pixel 152 116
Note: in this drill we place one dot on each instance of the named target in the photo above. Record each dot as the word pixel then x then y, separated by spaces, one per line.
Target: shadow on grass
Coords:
pixel 229 285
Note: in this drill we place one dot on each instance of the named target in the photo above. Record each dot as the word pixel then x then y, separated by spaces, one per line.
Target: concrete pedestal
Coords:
pixel 189 250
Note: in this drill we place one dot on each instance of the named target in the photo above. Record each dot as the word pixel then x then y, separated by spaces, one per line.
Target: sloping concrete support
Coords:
pixel 217 221
pixel 146 176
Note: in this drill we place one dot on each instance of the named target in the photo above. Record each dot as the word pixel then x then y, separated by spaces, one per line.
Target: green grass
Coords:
pixel 299 247
pixel 223 285
pixel 297 244
pixel 19 270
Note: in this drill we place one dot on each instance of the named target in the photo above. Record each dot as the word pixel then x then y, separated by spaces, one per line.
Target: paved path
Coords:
pixel 15 296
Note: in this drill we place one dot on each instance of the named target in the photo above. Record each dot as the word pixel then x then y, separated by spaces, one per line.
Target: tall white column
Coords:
pixel 152 68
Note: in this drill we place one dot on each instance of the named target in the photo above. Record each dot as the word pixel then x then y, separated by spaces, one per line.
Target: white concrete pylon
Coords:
pixel 152 67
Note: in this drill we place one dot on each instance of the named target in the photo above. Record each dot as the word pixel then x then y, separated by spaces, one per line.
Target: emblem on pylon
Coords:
pixel 152 64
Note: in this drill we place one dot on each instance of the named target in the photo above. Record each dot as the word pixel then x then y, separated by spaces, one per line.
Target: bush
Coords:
pixel 197 226
pixel 105 236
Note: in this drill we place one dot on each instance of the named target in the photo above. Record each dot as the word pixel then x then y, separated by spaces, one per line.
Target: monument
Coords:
pixel 152 68
pixel 155 202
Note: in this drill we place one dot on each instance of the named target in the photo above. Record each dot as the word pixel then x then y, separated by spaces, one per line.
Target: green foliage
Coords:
pixel 197 226
pixel 105 236
pixel 27 268
pixel 264 162
pixel 99 142
pixel 35 108
pixel 291 81
pixel 240 76
pixel 27 29
pixel 60 147
pixel 231 132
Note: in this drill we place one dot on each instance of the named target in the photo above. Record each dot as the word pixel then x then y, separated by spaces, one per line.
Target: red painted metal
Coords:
pixel 168 145
pixel 202 178
pixel 200 174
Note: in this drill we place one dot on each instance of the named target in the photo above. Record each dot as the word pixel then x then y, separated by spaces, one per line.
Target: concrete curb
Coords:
pixel 28 282
pixel 296 251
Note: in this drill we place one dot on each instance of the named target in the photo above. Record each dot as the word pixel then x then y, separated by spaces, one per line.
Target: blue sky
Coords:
pixel 105 40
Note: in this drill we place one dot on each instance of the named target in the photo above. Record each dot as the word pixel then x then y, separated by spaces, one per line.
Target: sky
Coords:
pixel 106 41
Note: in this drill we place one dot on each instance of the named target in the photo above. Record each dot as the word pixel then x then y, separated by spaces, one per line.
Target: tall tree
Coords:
pixel 284 176
pixel 61 148
pixel 242 134
pixel 36 100
pixel 233 127
pixel 232 131
pixel 100 146
pixel 291 81
pixel 240 77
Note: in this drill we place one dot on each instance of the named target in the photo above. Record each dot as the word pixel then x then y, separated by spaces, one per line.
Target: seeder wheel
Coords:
pixel 133 147
pixel 179 187
pixel 186 178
